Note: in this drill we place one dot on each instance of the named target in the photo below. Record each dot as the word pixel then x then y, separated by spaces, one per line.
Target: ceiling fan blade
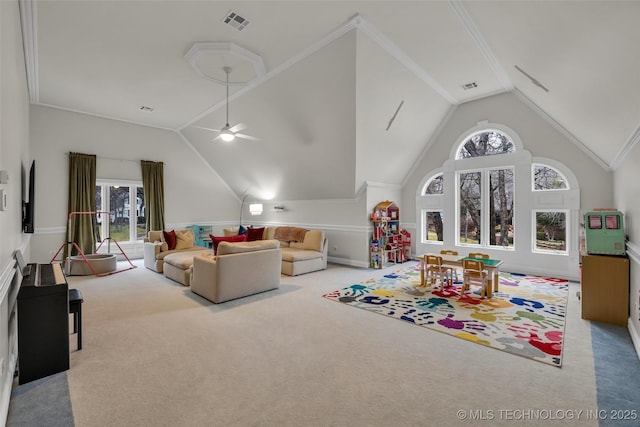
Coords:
pixel 200 127
pixel 252 138
pixel 217 138
pixel 238 127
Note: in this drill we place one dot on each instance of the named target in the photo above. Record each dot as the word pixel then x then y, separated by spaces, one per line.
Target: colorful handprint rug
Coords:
pixel 526 316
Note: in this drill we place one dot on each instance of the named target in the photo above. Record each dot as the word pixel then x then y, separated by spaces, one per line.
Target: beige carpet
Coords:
pixel 155 354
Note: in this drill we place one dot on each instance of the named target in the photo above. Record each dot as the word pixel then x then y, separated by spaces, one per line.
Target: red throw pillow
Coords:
pixel 170 238
pixel 217 240
pixel 254 234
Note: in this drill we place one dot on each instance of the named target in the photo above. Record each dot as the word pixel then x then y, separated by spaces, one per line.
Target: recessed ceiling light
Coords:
pixel 471 85
pixel 146 109
pixel 236 21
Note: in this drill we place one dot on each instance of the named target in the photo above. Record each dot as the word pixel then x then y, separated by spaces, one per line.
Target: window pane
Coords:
pixel 547 178
pixel 434 227
pixel 435 185
pixel 486 143
pixel 140 206
pixel 119 210
pixel 501 215
pixel 551 231
pixel 470 207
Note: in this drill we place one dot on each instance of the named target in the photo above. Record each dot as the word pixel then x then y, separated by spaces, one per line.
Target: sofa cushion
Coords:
pixel 184 239
pixel 313 241
pixel 181 260
pixel 225 248
pixel 170 238
pixel 293 255
pixel 216 240
pixel 254 234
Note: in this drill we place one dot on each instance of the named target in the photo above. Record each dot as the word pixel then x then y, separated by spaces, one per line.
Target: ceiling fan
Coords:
pixel 229 133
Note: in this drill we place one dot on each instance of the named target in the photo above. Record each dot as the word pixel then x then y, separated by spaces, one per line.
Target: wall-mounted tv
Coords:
pixel 28 206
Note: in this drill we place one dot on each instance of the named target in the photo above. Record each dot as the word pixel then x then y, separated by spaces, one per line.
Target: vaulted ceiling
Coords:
pixel 322 80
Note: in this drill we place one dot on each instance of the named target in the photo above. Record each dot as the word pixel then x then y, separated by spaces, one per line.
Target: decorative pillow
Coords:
pixel 231 231
pixel 170 238
pixel 254 234
pixel 313 240
pixel 231 239
pixel 155 236
pixel 184 239
pixel 242 229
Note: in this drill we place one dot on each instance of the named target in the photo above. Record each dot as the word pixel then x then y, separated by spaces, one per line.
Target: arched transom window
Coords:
pixel 492 194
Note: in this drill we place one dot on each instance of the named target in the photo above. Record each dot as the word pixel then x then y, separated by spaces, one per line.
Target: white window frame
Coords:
pixel 133 193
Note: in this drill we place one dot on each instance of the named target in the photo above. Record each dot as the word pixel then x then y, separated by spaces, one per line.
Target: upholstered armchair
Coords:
pixel 156 247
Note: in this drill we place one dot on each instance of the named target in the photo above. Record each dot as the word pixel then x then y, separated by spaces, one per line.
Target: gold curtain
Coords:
pixel 153 190
pixel 82 198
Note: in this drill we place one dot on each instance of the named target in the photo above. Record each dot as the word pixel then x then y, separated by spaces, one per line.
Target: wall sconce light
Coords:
pixel 279 208
pixel 255 208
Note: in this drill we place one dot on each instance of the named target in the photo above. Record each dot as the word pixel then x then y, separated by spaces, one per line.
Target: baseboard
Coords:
pixel 635 337
pixel 348 261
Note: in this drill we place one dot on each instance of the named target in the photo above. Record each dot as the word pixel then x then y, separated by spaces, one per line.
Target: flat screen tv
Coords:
pixel 28 207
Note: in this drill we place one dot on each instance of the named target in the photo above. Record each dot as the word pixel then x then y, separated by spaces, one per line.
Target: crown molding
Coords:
pixel 566 133
pixel 392 49
pixel 631 143
pixel 29 21
pixel 101 116
pixel 325 41
pixel 482 44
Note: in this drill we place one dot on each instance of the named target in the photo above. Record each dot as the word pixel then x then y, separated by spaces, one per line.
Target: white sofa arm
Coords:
pixel 204 275
pixel 151 251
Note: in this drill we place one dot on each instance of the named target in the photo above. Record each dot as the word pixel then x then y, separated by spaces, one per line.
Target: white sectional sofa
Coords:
pixel 238 270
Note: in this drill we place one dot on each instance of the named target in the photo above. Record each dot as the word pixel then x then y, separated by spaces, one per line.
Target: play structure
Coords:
pixel 98 264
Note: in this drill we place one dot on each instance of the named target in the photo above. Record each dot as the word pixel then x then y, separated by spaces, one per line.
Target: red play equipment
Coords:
pixel 82 257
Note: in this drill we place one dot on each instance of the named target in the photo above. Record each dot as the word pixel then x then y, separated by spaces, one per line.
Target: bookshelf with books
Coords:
pixel 389 243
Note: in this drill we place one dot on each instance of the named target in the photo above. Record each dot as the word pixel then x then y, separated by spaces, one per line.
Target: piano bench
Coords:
pixel 75 307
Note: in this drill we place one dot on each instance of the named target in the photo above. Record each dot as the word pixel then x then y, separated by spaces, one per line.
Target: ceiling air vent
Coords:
pixel 236 21
pixel 471 85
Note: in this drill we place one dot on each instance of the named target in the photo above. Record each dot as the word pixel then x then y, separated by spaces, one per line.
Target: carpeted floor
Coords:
pixel 524 317
pixel 156 354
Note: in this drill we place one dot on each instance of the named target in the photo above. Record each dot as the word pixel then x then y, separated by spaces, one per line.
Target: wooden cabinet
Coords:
pixel 605 288
pixel 389 243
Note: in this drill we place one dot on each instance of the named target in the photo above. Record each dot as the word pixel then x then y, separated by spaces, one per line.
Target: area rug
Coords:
pixel 525 317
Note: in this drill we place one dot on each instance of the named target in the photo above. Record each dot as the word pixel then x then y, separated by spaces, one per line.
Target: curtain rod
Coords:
pixel 113 158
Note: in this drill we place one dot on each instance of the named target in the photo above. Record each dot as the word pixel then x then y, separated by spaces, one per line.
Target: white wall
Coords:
pixel 541 139
pixel 194 194
pixel 626 200
pixel 14 159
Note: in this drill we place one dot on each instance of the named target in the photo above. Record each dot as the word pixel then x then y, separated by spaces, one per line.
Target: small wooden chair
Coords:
pixel 478 255
pixel 436 271
pixel 454 253
pixel 474 273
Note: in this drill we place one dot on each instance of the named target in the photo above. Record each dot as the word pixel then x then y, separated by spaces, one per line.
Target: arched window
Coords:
pixel 550 232
pixel 487 142
pixel 547 178
pixel 433 229
pixel 434 185
pixel 492 194
pixel 485 195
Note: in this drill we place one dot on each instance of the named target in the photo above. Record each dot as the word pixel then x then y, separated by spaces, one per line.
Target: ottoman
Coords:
pixel 178 266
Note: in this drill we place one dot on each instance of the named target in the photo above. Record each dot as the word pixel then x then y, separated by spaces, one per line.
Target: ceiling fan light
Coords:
pixel 227 136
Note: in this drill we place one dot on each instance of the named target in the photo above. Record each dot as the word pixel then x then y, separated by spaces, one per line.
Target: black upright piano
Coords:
pixel 43 323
